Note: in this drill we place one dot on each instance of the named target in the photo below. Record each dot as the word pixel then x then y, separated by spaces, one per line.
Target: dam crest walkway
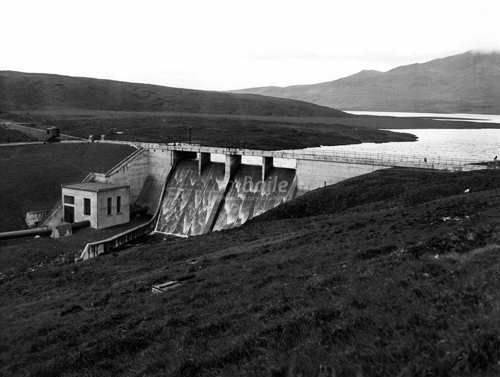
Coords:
pixel 379 159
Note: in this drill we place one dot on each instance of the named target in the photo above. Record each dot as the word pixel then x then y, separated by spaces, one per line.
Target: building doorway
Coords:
pixel 69 214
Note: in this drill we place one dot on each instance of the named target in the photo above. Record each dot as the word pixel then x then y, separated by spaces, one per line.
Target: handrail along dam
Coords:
pixel 190 190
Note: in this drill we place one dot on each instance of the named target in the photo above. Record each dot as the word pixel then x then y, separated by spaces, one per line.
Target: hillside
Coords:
pixel 139 112
pixel 464 83
pixel 32 91
pixel 394 273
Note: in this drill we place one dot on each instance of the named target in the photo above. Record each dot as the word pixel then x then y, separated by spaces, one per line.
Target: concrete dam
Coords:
pixel 189 192
pixel 196 202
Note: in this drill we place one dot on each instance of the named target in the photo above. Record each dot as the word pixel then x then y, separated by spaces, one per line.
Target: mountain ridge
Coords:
pixel 467 82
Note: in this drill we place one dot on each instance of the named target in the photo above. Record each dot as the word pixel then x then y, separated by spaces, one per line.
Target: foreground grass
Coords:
pixel 384 285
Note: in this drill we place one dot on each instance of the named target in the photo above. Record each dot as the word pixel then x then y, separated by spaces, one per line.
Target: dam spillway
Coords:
pixel 190 198
pixel 249 196
pixel 201 196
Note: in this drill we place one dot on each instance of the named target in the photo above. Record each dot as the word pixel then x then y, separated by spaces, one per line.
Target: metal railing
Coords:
pixel 125 161
pixel 93 249
pixel 377 158
pixel 335 156
pixel 325 155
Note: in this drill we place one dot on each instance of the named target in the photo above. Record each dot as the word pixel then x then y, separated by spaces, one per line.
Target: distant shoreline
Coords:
pixel 493 119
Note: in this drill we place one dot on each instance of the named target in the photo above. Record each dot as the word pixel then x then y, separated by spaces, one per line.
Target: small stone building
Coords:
pixel 104 204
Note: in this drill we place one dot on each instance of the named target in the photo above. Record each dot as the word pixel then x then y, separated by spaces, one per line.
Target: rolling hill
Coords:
pixel 464 83
pixel 32 91
pixel 81 107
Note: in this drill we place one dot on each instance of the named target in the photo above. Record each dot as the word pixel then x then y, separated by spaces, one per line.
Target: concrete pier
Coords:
pixel 204 159
pixel 232 163
pixel 267 165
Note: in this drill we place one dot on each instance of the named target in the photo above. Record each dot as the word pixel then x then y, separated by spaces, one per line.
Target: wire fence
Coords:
pixel 378 158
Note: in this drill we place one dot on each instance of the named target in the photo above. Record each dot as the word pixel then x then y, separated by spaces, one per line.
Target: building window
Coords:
pixel 86 206
pixel 110 204
pixel 69 199
pixel 118 204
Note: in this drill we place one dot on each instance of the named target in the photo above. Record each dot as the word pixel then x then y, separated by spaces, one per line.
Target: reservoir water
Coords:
pixel 474 144
pixel 471 144
pixel 481 144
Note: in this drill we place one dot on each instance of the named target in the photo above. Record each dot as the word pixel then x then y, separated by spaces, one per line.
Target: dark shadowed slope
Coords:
pixel 464 83
pixel 391 188
pixel 29 91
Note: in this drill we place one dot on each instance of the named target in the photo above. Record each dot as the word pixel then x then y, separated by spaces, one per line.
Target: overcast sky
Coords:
pixel 223 45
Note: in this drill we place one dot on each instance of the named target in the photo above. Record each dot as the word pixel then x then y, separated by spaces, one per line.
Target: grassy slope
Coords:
pixel 258 132
pixel 373 281
pixel 31 175
pixel 29 91
pixel 12 136
pixel 250 132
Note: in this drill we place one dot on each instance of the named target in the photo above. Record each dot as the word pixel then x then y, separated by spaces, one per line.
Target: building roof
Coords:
pixel 94 186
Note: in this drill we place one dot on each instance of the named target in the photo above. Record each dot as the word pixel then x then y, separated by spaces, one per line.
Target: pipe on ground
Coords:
pixel 45 231
pixel 81 224
pixel 140 211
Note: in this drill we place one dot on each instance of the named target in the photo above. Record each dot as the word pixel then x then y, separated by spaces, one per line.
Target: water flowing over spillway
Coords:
pixel 191 201
pixel 247 196
pixel 190 198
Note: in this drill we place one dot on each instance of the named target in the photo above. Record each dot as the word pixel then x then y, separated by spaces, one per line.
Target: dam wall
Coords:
pixel 200 195
pixel 159 167
pixel 132 171
pixel 212 188
pixel 145 171
pixel 313 174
